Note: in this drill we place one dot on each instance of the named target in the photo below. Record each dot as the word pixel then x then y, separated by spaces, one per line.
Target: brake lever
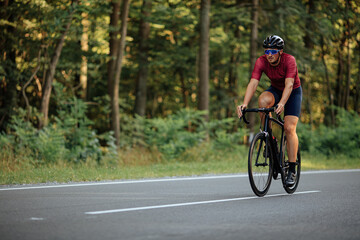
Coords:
pixel 278 116
pixel 244 118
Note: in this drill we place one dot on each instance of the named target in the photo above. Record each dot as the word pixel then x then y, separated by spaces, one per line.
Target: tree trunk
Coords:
pixel 8 92
pixel 328 84
pixel 45 101
pixel 144 32
pixel 84 47
pixel 254 33
pixel 348 76
pixel 233 89
pixel 253 57
pixel 184 92
pixel 309 44
pixel 357 89
pixel 308 101
pixel 340 76
pixel 114 42
pixel 115 115
pixel 203 91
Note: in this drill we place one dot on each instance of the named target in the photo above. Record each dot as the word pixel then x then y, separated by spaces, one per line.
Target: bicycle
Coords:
pixel 266 162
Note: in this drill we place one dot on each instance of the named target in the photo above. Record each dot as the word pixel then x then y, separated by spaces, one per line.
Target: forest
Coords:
pixel 82 79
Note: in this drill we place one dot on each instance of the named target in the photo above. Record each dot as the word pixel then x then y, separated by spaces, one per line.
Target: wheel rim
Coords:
pixel 260 170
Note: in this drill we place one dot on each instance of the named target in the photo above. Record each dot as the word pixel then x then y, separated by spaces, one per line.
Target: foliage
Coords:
pixel 174 134
pixel 68 137
pixel 132 131
pixel 305 135
pixel 179 132
pixel 344 138
pixel 223 134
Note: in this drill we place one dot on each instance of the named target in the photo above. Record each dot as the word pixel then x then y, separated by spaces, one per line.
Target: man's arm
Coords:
pixel 250 90
pixel 289 83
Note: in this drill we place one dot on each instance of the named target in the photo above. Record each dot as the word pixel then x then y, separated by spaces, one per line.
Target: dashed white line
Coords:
pixel 36 219
pixel 189 203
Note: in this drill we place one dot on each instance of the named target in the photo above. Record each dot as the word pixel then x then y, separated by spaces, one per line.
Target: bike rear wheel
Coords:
pixel 285 162
pixel 260 165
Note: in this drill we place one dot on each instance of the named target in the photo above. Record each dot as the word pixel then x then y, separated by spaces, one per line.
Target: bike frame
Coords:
pixel 269 119
pixel 268 134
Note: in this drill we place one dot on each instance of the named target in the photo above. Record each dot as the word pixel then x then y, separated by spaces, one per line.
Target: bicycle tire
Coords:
pixel 260 174
pixel 291 189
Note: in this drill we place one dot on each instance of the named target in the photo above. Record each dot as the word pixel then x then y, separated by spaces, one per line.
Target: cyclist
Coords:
pixel 285 92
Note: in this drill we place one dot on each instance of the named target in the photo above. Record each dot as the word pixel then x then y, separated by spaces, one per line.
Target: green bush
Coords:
pixel 69 137
pixel 45 145
pixel 80 139
pixel 305 135
pixel 132 131
pixel 223 135
pixel 344 138
pixel 174 134
pixel 186 129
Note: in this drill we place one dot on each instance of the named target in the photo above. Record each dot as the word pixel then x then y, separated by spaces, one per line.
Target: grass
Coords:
pixel 141 163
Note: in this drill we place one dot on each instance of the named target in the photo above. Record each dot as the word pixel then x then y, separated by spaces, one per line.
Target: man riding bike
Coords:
pixel 285 92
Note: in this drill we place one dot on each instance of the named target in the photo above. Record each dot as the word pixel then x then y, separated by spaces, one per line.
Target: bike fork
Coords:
pixel 266 151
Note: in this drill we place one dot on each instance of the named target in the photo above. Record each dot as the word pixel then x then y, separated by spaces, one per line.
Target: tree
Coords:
pixel 84 47
pixel 114 42
pixel 115 115
pixel 44 109
pixel 144 32
pixel 253 54
pixel 11 75
pixel 203 91
pixel 357 87
pixel 309 45
pixel 327 79
pixel 348 39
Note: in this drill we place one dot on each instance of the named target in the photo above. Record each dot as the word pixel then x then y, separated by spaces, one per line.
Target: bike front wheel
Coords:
pixel 260 165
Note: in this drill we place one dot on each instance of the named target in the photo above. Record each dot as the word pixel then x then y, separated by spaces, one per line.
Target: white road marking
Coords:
pixel 36 219
pixel 191 203
pixel 330 171
pixel 161 180
pixel 127 182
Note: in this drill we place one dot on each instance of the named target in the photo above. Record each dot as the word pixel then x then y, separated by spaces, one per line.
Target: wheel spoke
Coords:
pixel 260 167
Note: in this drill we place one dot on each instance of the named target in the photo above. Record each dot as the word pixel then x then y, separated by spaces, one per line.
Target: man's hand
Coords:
pixel 279 108
pixel 240 108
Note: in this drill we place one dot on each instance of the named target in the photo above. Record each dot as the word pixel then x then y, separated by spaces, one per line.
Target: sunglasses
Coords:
pixel 272 51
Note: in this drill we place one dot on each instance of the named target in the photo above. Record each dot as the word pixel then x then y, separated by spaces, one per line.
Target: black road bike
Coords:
pixel 268 157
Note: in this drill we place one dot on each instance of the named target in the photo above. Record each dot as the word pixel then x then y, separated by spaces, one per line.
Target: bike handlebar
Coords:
pixel 264 110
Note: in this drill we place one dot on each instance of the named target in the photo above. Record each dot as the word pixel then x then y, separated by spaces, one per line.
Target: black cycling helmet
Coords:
pixel 273 41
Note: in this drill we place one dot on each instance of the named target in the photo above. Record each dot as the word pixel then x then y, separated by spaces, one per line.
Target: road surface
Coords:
pixel 325 206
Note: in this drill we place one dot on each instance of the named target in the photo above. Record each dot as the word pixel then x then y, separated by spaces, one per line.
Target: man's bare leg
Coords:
pixel 291 136
pixel 266 100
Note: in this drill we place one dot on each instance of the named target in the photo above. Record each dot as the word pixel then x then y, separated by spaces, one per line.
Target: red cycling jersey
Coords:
pixel 286 69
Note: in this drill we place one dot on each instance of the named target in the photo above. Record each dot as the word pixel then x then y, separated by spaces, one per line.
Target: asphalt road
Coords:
pixel 325 206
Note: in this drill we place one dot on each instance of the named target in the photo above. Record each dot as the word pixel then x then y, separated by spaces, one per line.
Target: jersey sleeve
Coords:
pixel 291 68
pixel 258 69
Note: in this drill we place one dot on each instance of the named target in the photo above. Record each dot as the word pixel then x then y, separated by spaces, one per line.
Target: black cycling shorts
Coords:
pixel 293 105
